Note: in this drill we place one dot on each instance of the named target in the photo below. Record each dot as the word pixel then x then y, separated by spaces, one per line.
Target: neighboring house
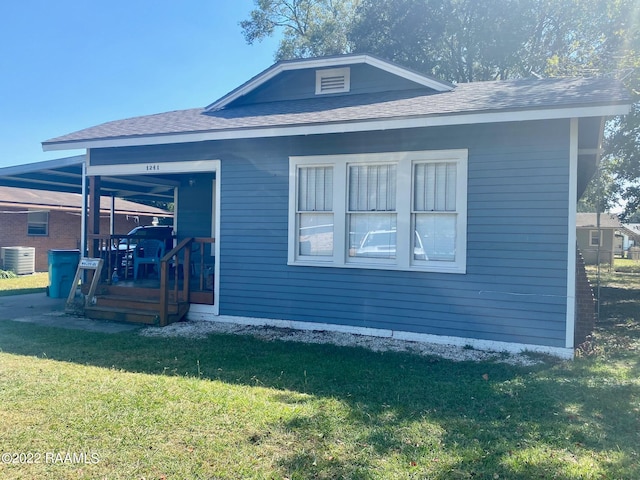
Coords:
pixel 594 241
pixel 51 220
pixel 470 191
pixel 631 235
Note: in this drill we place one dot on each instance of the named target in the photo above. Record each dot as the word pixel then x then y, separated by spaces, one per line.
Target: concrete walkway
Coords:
pixel 42 310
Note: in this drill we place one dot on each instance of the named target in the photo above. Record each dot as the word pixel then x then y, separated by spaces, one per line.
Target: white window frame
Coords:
pixel 298 214
pixel 39 223
pixel 405 162
pixel 595 233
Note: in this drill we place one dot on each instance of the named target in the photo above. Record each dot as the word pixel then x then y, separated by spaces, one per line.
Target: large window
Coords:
pixel 399 210
pixel 38 223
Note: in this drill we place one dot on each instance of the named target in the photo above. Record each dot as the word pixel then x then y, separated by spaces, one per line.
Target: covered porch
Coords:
pixel 182 273
pixel 156 280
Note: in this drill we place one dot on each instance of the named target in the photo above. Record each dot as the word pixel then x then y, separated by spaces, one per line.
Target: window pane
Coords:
pixel 315 235
pixel 372 235
pixel 434 187
pixel 315 189
pixel 435 237
pixel 37 223
pixel 372 188
pixel 37 230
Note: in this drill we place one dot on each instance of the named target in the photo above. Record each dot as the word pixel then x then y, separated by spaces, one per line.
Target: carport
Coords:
pixel 69 175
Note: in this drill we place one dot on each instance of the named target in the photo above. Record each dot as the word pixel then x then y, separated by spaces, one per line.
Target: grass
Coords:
pixel 34 283
pixel 626 265
pixel 238 407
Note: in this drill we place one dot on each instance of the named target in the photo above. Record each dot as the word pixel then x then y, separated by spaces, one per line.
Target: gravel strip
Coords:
pixel 200 329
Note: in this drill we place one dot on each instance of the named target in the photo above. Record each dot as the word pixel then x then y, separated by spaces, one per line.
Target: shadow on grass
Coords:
pixel 492 419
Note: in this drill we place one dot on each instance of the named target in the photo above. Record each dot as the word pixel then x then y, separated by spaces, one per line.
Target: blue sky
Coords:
pixel 71 64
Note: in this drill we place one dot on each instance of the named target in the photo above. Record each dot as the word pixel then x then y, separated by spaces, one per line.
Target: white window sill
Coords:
pixel 380 266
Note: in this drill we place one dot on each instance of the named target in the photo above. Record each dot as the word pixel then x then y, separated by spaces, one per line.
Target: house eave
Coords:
pixel 343 127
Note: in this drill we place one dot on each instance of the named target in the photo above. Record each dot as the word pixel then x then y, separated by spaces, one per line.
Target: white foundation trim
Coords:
pixel 204 312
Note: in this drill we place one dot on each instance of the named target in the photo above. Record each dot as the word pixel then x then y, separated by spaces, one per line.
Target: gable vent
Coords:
pixel 333 80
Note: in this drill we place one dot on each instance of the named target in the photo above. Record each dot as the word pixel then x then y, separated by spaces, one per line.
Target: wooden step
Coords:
pixel 136 315
pixel 116 314
pixel 134 303
pixel 128 302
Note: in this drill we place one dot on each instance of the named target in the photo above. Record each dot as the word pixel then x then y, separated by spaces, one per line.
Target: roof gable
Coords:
pixel 282 101
pixel 296 79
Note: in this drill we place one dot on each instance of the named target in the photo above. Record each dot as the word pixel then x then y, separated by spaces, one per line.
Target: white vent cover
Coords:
pixel 333 80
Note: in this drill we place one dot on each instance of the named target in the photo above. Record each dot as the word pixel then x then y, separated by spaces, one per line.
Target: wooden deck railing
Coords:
pixel 116 251
pixel 183 249
pixel 202 241
pixel 180 259
pixel 176 270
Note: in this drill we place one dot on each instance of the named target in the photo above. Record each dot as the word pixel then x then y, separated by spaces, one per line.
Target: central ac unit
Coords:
pixel 21 260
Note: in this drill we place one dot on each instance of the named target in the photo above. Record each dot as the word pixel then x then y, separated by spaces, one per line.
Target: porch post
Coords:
pixel 83 217
pixel 112 216
pixel 94 214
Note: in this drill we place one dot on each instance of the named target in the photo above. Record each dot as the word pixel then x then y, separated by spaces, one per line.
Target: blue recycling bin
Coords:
pixel 62 270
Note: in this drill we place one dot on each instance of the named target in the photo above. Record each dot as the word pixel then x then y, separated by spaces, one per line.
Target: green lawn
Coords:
pixel 625 265
pixel 228 407
pixel 36 282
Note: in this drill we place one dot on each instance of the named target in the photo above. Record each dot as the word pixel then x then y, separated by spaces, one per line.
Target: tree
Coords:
pixel 455 40
pixel 310 28
pixel 600 195
pixel 472 40
pixel 622 150
pixel 468 40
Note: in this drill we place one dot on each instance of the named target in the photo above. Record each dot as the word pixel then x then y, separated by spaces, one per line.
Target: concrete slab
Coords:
pixel 15 306
pixel 42 310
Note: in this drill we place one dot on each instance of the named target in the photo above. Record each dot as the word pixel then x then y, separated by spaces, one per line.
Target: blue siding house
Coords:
pixel 348 193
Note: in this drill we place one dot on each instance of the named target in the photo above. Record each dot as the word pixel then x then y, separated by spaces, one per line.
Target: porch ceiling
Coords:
pixel 65 175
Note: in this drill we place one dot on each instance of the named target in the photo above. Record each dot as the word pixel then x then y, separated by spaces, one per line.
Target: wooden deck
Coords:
pixel 133 304
pixel 139 302
pixel 160 296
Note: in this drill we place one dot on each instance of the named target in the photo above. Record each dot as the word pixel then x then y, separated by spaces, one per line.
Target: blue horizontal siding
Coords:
pixel 302 84
pixel 515 286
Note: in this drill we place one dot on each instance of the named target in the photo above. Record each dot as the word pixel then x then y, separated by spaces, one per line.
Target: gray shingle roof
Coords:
pixel 590 220
pixel 470 98
pixel 51 200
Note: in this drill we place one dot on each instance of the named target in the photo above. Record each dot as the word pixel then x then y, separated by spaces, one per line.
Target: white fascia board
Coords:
pixel 191 166
pixel 346 127
pixel 278 68
pixel 437 85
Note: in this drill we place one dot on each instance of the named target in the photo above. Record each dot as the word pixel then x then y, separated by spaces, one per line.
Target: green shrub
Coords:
pixel 7 274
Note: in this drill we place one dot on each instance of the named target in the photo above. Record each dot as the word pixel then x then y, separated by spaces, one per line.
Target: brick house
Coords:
pixel 51 220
